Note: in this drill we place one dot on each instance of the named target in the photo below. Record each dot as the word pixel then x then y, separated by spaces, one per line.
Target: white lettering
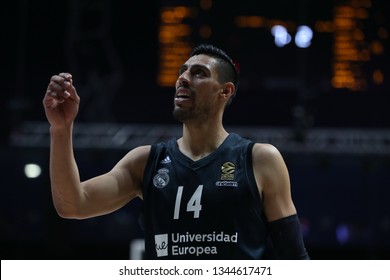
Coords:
pixel 205 237
pixel 226 184
pixel 183 250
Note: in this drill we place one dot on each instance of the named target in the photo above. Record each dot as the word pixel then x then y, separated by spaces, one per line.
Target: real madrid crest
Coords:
pixel 161 179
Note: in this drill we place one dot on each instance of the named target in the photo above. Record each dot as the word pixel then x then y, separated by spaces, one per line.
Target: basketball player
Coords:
pixel 209 194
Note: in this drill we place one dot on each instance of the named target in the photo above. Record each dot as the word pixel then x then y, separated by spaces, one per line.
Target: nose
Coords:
pixel 183 79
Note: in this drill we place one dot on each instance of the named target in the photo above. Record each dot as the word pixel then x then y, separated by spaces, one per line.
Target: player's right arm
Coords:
pixel 99 195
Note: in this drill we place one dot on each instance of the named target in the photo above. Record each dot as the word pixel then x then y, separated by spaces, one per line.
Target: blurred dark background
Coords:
pixel 325 106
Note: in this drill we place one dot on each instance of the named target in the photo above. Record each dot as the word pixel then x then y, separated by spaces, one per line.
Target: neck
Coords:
pixel 199 141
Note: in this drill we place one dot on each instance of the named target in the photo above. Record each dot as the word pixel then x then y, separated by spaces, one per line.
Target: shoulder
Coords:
pixel 269 165
pixel 273 181
pixel 135 160
pixel 139 153
pixel 138 157
pixel 266 153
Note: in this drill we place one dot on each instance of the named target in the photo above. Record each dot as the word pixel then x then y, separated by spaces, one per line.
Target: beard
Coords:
pixel 194 114
pixel 183 115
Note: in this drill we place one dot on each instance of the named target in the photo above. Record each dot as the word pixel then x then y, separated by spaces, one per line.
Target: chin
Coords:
pixel 180 115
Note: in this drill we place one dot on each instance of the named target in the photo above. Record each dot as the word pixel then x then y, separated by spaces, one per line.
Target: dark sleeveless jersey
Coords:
pixel 204 209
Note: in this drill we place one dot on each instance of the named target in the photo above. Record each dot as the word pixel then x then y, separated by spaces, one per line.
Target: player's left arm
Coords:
pixel 273 182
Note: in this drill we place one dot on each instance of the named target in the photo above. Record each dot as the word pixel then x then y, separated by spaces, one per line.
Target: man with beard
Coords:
pixel 209 194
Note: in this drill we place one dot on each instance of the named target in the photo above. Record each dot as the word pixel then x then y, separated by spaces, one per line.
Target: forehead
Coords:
pixel 202 60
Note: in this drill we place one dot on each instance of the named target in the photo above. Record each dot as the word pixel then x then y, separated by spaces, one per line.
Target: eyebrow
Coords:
pixel 186 66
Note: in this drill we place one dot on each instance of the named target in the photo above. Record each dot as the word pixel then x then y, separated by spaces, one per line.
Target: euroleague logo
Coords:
pixel 227 170
pixel 228 175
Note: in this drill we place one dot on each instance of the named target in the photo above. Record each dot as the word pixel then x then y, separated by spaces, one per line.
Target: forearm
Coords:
pixel 64 175
pixel 287 238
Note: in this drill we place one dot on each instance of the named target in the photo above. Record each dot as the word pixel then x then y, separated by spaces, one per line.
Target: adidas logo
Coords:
pixel 166 160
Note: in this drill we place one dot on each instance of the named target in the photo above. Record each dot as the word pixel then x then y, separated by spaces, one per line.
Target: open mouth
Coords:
pixel 182 93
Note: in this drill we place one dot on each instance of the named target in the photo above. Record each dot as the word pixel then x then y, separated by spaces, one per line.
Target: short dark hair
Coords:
pixel 228 70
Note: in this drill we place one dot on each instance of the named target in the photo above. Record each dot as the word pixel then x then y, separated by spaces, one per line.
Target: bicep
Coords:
pixel 110 191
pixel 273 181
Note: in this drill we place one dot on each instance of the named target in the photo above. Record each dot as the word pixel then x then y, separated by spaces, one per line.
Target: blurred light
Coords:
pixel 305 226
pixel 206 4
pixel 358 35
pixel 324 26
pixel 174 45
pixel 205 32
pixel 249 21
pixel 32 170
pixel 281 35
pixel 377 48
pixel 382 32
pixel 304 36
pixel 378 77
pixel 361 13
pixel 342 234
pixel 364 55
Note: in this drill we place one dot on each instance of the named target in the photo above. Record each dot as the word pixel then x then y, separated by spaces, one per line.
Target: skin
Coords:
pixel 199 103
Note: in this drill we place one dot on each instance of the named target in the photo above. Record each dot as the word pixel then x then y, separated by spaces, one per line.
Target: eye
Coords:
pixel 199 72
pixel 182 70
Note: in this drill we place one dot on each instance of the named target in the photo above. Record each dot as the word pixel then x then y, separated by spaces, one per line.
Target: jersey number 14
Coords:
pixel 193 205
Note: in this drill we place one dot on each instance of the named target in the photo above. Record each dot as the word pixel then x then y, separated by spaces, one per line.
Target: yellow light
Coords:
pixel 378 77
pixel 205 32
pixel 206 4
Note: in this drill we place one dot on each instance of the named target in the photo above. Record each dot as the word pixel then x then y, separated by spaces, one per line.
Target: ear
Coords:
pixel 228 89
